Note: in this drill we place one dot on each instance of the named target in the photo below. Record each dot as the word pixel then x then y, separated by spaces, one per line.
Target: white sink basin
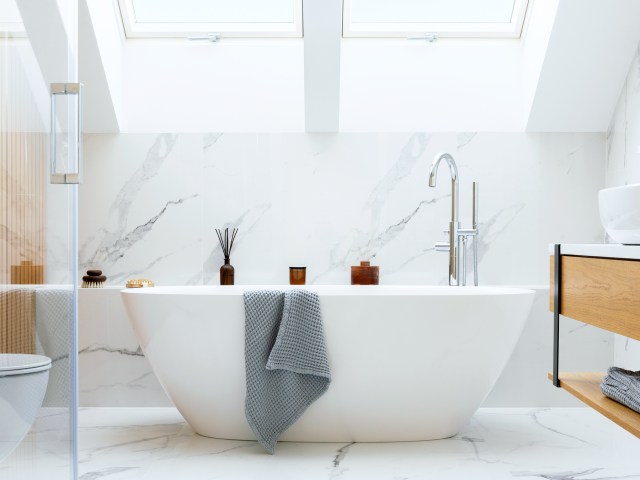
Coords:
pixel 620 213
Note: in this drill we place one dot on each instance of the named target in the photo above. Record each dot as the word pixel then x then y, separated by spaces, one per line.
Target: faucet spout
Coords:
pixel 454 225
pixel 453 170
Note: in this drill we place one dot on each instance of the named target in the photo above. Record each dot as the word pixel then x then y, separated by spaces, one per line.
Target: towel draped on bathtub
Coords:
pixel 285 360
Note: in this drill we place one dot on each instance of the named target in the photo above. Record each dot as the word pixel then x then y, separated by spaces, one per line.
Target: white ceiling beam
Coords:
pixel 590 49
pixel 48 37
pixel 100 65
pixel 322 37
pixel 50 55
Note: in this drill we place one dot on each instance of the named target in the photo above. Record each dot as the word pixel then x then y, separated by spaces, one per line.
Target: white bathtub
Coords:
pixel 407 362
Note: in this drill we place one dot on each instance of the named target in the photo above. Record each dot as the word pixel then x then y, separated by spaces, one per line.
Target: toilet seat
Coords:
pixel 21 363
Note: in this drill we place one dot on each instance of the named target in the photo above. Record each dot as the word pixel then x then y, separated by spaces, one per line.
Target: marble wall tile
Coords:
pixel 150 204
pixel 623 168
pixel 141 206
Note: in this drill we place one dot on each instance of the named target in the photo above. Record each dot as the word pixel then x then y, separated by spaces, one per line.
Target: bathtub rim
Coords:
pixel 335 290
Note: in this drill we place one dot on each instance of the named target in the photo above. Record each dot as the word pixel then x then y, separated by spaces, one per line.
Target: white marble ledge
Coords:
pixel 629 252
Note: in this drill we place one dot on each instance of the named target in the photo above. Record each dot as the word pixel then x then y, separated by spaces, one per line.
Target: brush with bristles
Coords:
pixel 139 283
pixel 93 279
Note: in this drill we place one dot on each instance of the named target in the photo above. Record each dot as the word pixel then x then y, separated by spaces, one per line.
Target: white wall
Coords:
pixel 402 85
pixel 237 86
pixel 623 168
pixel 385 85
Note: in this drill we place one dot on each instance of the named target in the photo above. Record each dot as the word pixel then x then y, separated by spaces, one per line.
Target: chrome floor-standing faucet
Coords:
pixel 458 237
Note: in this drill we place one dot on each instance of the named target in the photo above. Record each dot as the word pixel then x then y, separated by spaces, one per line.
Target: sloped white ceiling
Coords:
pixel 565 77
pixel 589 52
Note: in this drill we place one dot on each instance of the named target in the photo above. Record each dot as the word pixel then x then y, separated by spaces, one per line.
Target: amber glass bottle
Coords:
pixel 226 273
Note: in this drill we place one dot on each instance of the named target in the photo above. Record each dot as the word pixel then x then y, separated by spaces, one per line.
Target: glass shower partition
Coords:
pixel 40 160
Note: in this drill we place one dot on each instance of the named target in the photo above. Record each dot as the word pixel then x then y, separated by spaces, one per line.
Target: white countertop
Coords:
pixel 612 250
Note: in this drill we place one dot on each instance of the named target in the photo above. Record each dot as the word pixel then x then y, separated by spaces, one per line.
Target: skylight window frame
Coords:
pixel 134 29
pixel 511 30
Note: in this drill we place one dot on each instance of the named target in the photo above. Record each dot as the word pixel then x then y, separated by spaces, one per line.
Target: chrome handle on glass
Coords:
pixel 73 147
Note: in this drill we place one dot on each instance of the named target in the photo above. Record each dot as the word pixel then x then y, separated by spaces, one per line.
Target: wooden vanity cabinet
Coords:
pixel 604 292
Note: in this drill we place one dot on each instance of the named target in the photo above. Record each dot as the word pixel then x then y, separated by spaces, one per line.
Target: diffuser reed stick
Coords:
pixel 227 272
pixel 224 240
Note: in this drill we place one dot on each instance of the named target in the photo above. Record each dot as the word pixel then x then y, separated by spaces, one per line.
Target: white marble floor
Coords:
pixel 155 443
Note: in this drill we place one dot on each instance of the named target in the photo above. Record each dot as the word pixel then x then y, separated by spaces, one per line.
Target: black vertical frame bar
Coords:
pixel 557 277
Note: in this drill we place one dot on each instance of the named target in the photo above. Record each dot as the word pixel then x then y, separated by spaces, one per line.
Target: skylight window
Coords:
pixel 230 18
pixel 446 18
pixel 10 20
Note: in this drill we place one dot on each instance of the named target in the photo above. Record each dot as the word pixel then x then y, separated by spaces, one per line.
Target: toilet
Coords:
pixel 23 384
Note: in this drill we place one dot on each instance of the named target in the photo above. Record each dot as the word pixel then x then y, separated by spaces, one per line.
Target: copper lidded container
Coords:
pixel 365 274
pixel 297 275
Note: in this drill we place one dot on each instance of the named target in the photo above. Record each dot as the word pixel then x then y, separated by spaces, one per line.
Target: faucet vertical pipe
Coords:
pixel 474 220
pixel 454 224
pixel 476 197
pixel 475 206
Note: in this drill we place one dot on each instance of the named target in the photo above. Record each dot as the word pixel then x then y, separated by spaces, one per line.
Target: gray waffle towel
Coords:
pixel 622 386
pixel 285 359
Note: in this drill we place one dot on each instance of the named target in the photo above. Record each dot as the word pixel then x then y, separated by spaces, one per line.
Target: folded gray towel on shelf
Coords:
pixel 285 359
pixel 623 386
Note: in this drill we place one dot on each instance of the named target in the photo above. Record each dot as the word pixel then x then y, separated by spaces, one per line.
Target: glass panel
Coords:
pixel 431 11
pixel 38 253
pixel 214 11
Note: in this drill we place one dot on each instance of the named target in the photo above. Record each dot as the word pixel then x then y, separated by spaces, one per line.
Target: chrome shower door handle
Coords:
pixel 66 163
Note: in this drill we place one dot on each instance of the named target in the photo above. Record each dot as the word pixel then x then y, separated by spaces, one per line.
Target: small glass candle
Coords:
pixel 297 275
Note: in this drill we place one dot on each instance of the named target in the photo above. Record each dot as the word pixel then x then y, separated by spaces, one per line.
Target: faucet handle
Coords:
pixel 442 246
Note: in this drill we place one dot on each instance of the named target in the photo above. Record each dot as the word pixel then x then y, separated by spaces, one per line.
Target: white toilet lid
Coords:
pixel 19 363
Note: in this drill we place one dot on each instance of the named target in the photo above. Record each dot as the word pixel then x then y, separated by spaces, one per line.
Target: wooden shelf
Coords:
pixel 586 387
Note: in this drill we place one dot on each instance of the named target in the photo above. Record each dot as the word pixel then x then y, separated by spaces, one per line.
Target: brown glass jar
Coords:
pixel 226 273
pixel 297 275
pixel 365 274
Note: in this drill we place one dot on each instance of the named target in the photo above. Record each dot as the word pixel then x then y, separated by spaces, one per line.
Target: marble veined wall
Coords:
pixel 150 203
pixel 623 168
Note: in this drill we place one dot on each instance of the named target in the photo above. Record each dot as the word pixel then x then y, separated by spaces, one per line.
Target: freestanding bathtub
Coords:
pixel 407 362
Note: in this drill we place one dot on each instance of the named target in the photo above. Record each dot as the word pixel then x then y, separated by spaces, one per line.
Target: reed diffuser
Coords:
pixel 226 270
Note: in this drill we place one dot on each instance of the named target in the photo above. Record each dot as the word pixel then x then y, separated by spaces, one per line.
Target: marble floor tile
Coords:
pixel 553 444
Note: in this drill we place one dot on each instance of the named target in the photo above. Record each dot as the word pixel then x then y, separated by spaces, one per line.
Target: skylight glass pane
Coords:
pixel 431 11
pixel 214 11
